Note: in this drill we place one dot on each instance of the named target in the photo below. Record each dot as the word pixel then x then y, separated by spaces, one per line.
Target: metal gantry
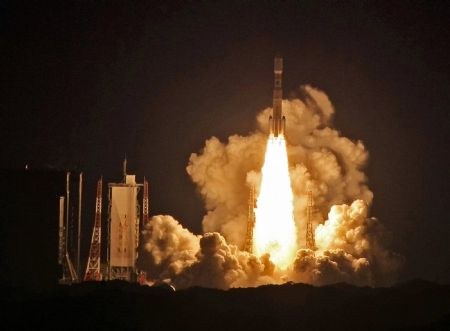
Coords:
pixel 310 240
pixel 69 274
pixel 124 222
pixel 145 206
pixel 93 265
pixel 250 221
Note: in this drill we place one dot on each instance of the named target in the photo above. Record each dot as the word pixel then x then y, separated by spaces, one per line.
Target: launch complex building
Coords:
pixel 125 222
pixel 124 225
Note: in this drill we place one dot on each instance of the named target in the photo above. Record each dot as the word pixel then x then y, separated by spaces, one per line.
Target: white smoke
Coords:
pixel 350 244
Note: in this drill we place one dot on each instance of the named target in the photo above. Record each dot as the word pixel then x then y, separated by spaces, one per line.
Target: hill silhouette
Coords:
pixel 414 305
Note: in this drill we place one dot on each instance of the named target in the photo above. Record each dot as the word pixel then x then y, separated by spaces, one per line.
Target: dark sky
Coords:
pixel 84 83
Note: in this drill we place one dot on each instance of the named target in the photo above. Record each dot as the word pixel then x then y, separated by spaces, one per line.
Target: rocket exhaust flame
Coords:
pixel 275 231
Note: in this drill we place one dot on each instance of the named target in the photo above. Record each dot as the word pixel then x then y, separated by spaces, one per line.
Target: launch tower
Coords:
pixel 145 206
pixel 93 265
pixel 69 273
pixel 250 221
pixel 310 241
pixel 123 228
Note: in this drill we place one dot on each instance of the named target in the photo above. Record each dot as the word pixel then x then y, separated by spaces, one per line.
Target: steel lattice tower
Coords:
pixel 250 221
pixel 93 265
pixel 145 207
pixel 310 241
pixel 69 275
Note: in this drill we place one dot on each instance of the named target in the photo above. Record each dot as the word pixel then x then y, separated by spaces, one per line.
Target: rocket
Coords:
pixel 277 122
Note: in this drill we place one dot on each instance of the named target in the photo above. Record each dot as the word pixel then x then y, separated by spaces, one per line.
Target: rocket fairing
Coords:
pixel 277 122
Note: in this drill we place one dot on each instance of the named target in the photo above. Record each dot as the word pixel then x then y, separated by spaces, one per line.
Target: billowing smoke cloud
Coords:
pixel 220 173
pixel 222 265
pixel 169 248
pixel 173 253
pixel 350 244
pixel 323 161
pixel 349 249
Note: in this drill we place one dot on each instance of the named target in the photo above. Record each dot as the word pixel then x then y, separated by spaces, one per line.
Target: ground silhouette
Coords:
pixel 415 305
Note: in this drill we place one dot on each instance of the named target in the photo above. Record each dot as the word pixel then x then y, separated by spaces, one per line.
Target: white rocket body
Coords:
pixel 277 122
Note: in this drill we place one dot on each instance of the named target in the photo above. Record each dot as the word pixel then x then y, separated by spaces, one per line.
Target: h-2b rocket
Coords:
pixel 277 122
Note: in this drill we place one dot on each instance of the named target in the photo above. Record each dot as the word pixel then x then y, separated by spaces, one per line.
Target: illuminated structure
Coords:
pixel 61 232
pixel 277 122
pixel 69 274
pixel 145 206
pixel 93 265
pixel 310 241
pixel 80 202
pixel 248 246
pixel 123 228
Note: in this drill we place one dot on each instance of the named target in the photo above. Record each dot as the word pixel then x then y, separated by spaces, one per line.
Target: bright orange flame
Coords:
pixel 274 231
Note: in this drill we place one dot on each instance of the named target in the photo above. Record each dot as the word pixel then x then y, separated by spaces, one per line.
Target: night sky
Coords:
pixel 84 83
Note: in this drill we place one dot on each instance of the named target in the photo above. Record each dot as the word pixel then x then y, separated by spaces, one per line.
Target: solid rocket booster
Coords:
pixel 277 122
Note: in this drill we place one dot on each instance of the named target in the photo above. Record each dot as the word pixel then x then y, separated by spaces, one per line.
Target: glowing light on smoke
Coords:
pixel 274 231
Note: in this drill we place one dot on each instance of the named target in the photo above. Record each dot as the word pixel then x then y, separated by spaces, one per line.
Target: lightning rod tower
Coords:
pixel 310 241
pixel 145 206
pixel 93 265
pixel 69 274
pixel 250 221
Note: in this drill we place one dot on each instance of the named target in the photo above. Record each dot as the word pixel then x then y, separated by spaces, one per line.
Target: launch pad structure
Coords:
pixel 93 270
pixel 70 273
pixel 248 245
pixel 123 232
pixel 310 240
pixel 123 228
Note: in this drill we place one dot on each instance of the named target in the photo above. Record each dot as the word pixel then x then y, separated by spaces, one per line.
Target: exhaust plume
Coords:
pixel 350 245
pixel 274 231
